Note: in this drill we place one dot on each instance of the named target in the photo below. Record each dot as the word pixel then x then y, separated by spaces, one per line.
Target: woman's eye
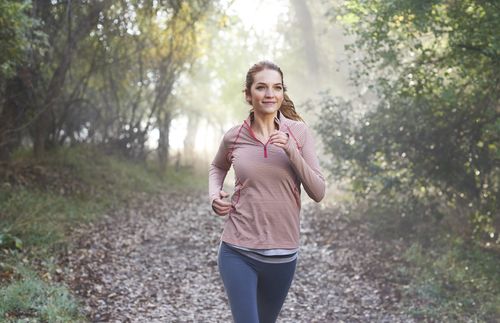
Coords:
pixel 259 87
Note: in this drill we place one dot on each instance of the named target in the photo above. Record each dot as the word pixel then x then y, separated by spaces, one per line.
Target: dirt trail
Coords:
pixel 155 261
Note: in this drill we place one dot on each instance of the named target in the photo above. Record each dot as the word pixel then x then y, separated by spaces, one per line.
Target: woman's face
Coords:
pixel 266 93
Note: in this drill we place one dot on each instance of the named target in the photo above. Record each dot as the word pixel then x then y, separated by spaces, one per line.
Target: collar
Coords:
pixel 279 120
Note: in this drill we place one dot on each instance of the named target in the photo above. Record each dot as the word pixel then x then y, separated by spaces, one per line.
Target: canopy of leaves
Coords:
pixel 104 73
pixel 14 37
pixel 430 142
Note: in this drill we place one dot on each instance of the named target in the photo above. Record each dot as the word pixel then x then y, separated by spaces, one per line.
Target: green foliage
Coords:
pixel 31 297
pixel 9 241
pixel 42 218
pixel 95 71
pixel 131 63
pixel 429 144
pixel 457 282
pixel 14 27
pixel 424 154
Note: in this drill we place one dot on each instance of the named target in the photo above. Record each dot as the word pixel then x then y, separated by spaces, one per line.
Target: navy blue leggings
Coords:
pixel 256 290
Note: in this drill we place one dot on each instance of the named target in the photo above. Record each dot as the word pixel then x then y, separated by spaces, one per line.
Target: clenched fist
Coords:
pixel 220 206
pixel 279 138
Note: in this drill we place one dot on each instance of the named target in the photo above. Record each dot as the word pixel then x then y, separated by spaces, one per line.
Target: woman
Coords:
pixel 272 153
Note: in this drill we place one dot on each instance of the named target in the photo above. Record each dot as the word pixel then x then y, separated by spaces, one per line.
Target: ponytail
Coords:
pixel 288 109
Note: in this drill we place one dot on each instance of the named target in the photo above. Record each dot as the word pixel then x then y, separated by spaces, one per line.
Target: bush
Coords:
pixel 453 282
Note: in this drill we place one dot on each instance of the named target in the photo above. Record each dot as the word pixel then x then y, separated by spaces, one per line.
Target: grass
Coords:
pixel 31 299
pixel 41 218
pixel 457 281
pixel 444 277
pixel 69 186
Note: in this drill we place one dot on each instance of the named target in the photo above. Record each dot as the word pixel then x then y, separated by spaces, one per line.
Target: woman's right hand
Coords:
pixel 220 206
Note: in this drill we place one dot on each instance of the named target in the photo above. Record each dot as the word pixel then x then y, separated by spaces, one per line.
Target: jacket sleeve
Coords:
pixel 306 166
pixel 218 170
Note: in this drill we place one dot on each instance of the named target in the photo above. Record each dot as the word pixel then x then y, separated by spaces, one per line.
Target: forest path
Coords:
pixel 155 261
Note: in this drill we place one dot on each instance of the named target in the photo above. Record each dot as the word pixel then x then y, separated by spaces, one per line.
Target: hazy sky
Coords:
pixel 260 15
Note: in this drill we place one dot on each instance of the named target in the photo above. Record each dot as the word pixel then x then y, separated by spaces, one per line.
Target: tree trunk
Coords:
pixel 13 113
pixel 164 140
pixel 190 139
pixel 306 26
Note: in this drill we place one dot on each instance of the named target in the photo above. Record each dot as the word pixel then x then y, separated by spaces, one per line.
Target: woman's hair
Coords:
pixel 287 107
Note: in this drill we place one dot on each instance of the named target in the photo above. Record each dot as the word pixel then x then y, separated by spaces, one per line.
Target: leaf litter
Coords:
pixel 155 260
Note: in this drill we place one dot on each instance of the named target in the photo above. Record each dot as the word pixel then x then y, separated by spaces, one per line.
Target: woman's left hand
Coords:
pixel 279 138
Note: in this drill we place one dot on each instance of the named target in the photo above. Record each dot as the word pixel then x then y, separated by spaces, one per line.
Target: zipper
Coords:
pixel 254 137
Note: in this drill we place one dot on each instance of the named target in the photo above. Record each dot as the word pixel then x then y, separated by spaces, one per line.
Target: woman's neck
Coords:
pixel 263 124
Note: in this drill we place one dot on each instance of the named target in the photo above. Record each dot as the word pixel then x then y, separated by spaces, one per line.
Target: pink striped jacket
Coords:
pixel 266 200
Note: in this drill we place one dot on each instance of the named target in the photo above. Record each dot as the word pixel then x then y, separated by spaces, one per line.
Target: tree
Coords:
pixel 104 75
pixel 15 76
pixel 429 145
pixel 79 21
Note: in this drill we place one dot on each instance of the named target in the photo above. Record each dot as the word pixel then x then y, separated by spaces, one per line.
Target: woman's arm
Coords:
pixel 305 165
pixel 216 178
pixel 216 175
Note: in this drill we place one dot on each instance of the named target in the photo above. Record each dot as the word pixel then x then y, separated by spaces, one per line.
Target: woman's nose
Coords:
pixel 269 92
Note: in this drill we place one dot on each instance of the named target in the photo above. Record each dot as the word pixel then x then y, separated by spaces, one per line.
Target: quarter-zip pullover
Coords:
pixel 266 200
